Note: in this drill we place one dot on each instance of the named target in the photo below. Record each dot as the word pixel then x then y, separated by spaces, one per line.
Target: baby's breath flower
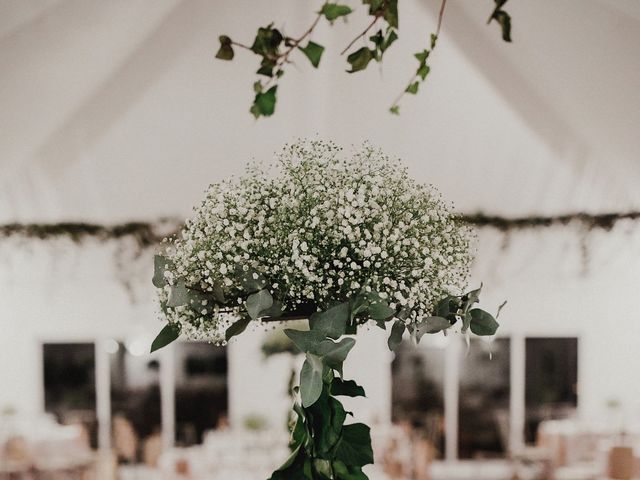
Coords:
pixel 320 226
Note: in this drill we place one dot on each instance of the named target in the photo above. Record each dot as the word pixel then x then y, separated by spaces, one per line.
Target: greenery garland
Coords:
pixel 147 234
pixel 275 48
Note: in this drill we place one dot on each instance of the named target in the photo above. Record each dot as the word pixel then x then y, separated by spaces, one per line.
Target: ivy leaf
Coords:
pixel 267 41
pixel 311 380
pixel 354 446
pixel 305 340
pixel 347 388
pixel 264 103
pixel 503 18
pixel 422 56
pixel 168 334
pixel 413 88
pixel 395 338
pixel 359 59
pixel 159 266
pixel 423 71
pixel 391 12
pixel 258 302
pixel 331 11
pixel 313 51
pixel 237 328
pixel 395 109
pixel 392 36
pixel 483 323
pixel 225 52
pixel 331 322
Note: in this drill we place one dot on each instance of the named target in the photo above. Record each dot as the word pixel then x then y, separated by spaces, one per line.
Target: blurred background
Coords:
pixel 117 111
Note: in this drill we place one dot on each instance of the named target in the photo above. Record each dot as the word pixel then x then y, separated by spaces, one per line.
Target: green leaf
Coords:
pixel 237 328
pixel 391 12
pixel 413 88
pixel 434 40
pixel 331 11
pixel 379 309
pixel 313 51
pixel 178 295
pixel 168 334
pixel 265 103
pixel 422 56
pixel 395 109
pixel 267 41
pixel 266 68
pixel 305 340
pixel 468 299
pixel 447 308
pixel 347 388
pixel 249 278
pixel 359 59
pixel 483 323
pixel 344 472
pixel 395 338
pixel 333 321
pixel 392 36
pixel 423 71
pixel 225 52
pixel 274 311
pixel 431 325
pixel 258 302
pixel 257 87
pixel 354 446
pixel 311 380
pixel 334 353
pixel 159 266
pixel 323 467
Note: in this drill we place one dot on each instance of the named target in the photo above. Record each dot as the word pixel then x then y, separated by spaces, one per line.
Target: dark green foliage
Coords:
pixel 503 18
pixel 168 334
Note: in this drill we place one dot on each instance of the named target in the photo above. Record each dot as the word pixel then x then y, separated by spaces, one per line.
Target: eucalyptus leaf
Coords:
pixel 334 353
pixel 237 328
pixel 395 338
pixel 378 309
pixel 159 266
pixel 178 295
pixel 311 380
pixel 331 322
pixel 483 323
pixel 431 325
pixel 347 388
pixel 354 446
pixel 305 340
pixel 258 302
pixel 168 334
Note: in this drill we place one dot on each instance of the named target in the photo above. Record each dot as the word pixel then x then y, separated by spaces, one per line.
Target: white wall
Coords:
pixel 77 297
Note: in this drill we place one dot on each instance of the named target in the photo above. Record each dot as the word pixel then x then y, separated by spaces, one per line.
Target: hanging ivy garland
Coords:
pixel 276 49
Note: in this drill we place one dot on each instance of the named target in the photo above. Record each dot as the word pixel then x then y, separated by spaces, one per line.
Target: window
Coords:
pixel 135 400
pixel 484 399
pixel 69 384
pixel 201 390
pixel 551 381
pixel 417 389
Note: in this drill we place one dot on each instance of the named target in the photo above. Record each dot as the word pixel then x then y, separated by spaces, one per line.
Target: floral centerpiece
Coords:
pixel 343 241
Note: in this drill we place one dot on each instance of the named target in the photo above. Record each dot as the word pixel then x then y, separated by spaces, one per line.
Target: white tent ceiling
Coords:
pixel 118 110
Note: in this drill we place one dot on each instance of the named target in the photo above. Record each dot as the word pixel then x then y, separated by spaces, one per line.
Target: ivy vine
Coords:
pixel 275 48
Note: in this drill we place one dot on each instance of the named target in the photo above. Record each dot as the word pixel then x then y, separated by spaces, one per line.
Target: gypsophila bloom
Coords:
pixel 320 226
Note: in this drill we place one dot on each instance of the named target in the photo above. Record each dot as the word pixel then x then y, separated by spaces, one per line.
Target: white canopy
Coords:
pixel 118 110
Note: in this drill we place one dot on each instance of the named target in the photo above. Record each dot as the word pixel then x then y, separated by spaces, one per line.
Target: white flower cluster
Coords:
pixel 320 227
